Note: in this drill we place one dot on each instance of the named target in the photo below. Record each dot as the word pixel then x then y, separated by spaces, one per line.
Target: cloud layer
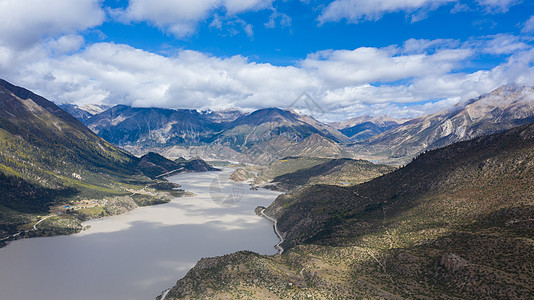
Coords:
pixel 343 82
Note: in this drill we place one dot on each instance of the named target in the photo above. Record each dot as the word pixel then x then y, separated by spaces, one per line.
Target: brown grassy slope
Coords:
pixel 456 223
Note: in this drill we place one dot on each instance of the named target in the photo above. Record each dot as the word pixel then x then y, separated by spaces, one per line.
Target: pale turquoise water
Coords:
pixel 139 254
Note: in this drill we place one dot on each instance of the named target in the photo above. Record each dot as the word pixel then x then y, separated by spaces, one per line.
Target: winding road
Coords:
pixel 164 294
pixel 26 231
pixel 275 222
pixel 169 173
pixel 35 226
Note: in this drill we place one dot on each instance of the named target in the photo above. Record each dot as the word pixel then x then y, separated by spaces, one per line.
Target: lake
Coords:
pixel 139 254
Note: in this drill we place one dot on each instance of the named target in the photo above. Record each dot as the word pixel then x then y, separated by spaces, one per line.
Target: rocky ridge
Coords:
pixel 504 108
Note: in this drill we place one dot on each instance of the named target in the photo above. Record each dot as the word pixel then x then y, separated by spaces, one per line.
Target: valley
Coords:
pixel 443 208
pixel 267 149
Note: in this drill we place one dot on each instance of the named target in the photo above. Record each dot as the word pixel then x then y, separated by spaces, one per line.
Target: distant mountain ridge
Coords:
pixel 382 120
pixel 123 125
pixel 83 112
pixel 268 134
pixel 365 130
pixel 364 127
pixel 503 108
pixel 265 124
pixel 154 165
pixel 256 137
pixel 223 116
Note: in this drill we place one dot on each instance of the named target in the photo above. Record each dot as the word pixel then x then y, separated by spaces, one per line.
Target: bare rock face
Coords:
pixel 382 121
pixel 149 127
pixel 83 112
pixel 259 137
pixel 453 262
pixel 207 263
pixel 506 107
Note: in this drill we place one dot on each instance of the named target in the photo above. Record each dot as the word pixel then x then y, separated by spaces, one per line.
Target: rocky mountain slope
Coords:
pixel 258 137
pixel 148 127
pixel 223 116
pixel 266 124
pixel 364 127
pixel 456 223
pixel 38 136
pixel 382 120
pixel 504 108
pixel 83 112
pixel 293 172
pixel 47 158
pixel 263 175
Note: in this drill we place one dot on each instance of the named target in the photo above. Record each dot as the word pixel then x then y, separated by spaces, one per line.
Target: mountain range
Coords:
pixel 149 127
pixel 265 135
pixel 502 109
pixel 83 112
pixel 258 137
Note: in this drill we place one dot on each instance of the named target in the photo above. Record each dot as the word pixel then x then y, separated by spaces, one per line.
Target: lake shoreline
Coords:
pixel 144 247
pixel 76 226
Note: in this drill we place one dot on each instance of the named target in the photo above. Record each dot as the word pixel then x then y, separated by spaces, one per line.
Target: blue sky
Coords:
pixel 302 33
pixel 354 57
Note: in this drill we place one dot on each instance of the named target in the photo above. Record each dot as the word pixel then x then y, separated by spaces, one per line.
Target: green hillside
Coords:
pixel 48 157
pixel 154 165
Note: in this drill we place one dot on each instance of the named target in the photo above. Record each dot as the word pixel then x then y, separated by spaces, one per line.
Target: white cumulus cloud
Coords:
pixel 181 17
pixel 503 44
pixel 355 11
pixel 25 23
pixel 365 65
